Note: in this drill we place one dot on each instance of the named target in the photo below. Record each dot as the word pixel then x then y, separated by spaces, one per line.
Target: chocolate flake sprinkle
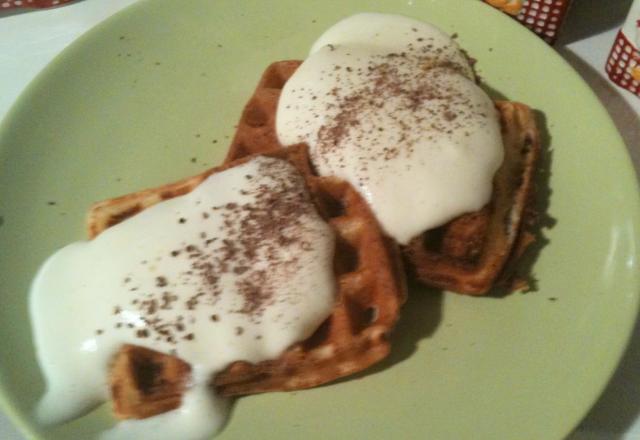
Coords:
pixel 161 281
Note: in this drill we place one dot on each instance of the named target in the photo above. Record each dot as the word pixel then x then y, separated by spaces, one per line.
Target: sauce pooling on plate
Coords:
pixel 238 269
pixel 390 104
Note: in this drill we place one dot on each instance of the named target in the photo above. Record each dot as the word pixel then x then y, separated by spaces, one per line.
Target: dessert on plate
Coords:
pixel 369 291
pixel 280 269
pixel 391 105
pixel 254 276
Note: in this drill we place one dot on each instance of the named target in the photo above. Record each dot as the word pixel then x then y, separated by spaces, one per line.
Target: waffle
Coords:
pixel 256 130
pixel 470 253
pixel 467 255
pixel 370 292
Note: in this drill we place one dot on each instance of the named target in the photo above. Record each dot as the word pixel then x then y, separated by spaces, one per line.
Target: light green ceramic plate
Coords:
pixel 153 94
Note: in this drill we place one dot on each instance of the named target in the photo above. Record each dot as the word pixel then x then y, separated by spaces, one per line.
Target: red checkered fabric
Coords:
pixel 544 17
pixel 623 65
pixel 10 4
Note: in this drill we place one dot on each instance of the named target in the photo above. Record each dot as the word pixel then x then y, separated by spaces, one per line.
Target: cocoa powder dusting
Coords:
pixel 272 229
pixel 413 89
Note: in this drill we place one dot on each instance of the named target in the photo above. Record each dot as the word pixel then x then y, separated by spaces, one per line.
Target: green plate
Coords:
pixel 152 95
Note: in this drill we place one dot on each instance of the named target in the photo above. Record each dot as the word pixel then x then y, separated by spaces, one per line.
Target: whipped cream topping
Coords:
pixel 390 104
pixel 238 269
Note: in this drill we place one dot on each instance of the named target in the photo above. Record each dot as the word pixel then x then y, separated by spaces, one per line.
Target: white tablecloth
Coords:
pixel 28 41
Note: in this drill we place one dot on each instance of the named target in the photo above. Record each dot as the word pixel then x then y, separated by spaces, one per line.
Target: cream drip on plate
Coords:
pixel 238 269
pixel 390 104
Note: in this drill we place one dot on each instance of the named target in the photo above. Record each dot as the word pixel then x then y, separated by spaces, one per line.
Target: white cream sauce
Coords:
pixel 238 269
pixel 390 104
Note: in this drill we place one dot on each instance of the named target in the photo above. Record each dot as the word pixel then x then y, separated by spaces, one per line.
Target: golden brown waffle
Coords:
pixel 371 290
pixel 145 383
pixel 468 254
pixel 256 131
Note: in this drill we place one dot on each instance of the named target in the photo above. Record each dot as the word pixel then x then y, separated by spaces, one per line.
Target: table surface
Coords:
pixel 30 40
